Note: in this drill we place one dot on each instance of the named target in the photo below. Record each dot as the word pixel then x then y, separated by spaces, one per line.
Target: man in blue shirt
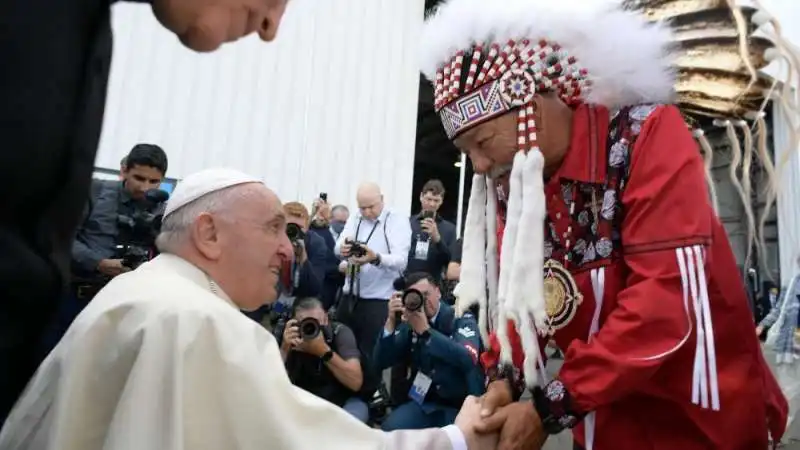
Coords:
pixel 442 352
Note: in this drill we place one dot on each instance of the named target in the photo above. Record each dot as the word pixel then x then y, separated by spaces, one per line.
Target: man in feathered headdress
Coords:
pixel 589 224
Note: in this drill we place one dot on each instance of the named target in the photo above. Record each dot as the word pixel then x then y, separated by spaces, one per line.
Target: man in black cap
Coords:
pixel 56 57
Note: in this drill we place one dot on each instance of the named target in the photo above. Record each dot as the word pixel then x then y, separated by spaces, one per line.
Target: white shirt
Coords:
pixel 391 228
pixel 162 359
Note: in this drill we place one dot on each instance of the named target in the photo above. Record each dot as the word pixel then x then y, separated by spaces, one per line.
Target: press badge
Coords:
pixel 420 388
pixel 421 250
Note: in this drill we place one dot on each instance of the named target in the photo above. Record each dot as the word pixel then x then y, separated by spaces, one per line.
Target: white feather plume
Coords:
pixel 626 57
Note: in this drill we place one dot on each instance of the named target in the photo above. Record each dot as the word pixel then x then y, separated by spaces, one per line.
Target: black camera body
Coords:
pixel 294 232
pixel 138 231
pixel 357 249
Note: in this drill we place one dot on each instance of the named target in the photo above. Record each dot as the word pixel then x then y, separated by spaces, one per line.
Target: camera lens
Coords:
pixel 413 300
pixel 309 328
pixel 293 231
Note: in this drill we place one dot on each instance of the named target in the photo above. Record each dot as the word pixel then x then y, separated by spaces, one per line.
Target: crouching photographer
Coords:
pixel 440 350
pixel 322 357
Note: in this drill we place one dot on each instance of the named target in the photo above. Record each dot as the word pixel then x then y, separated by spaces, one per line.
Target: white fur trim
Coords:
pixel 626 57
pixel 492 268
pixel 507 255
pixel 525 301
pixel 527 291
pixel 471 288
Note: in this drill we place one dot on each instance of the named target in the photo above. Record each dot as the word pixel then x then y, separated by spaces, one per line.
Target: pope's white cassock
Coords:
pixel 162 359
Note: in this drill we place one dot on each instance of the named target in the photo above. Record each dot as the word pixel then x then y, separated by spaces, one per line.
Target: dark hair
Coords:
pixel 415 277
pixel 435 187
pixel 306 304
pixel 149 155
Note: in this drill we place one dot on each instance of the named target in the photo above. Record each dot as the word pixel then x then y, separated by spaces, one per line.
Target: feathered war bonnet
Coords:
pixel 488 58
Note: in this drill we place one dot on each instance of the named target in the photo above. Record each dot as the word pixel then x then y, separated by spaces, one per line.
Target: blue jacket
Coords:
pixel 312 272
pixel 449 357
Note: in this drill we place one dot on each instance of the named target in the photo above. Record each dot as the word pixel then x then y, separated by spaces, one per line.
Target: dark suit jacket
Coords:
pixel 332 279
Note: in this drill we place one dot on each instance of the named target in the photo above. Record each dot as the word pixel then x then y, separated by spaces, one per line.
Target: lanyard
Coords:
pixel 374 227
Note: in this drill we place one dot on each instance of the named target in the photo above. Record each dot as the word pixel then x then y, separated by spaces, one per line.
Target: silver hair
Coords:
pixel 176 226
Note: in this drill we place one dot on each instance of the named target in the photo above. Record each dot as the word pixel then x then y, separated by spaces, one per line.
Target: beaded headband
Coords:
pixel 505 79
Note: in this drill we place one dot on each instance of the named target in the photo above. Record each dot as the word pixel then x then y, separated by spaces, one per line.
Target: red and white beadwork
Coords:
pixel 507 78
pixel 517 87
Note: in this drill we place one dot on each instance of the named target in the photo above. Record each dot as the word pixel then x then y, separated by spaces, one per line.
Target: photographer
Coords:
pixel 322 357
pixel 332 277
pixel 374 244
pixel 96 254
pixel 432 236
pixel 442 352
pixel 310 252
pixel 300 277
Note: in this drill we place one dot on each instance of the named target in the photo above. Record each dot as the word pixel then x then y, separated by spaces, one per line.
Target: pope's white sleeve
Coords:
pixel 237 395
pixel 456 437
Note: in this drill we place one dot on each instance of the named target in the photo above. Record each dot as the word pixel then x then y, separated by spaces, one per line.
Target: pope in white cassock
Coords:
pixel 163 359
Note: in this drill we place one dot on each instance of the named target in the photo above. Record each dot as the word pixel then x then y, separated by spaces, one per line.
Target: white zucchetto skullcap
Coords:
pixel 205 182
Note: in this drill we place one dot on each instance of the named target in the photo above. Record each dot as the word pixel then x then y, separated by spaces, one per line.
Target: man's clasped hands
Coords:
pixel 496 422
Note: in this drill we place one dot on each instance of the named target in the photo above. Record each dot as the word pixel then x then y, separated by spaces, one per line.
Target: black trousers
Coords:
pixel 367 319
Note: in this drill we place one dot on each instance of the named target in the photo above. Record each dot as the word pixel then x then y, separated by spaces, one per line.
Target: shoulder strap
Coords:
pixel 386 236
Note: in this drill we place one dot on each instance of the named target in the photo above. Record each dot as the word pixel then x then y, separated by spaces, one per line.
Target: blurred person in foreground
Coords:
pixel 53 85
pixel 593 191
pixel 162 358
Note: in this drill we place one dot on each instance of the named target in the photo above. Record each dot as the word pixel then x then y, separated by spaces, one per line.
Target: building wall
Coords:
pixel 788 207
pixel 731 208
pixel 331 103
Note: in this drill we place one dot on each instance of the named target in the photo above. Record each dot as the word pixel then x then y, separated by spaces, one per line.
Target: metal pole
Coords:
pixel 461 181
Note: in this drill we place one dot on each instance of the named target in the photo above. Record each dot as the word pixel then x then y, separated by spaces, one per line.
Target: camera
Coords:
pixel 427 215
pixel 413 300
pixel 309 328
pixel 294 232
pixel 138 231
pixel 357 249
pixel 323 196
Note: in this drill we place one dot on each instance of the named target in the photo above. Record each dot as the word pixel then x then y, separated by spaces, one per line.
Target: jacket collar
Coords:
pixel 586 156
